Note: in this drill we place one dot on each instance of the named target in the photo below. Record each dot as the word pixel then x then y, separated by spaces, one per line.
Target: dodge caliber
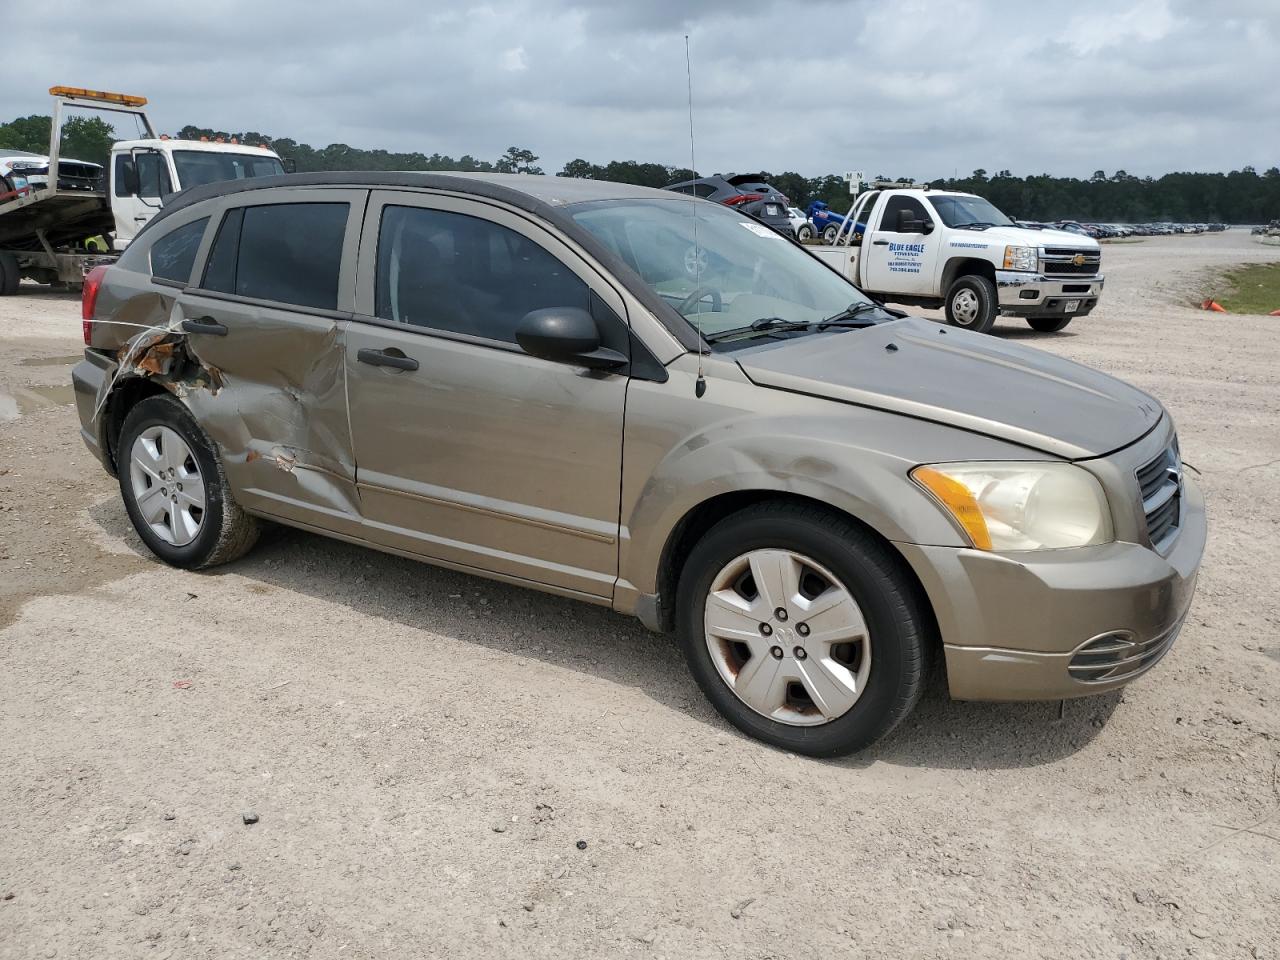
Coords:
pixel 651 402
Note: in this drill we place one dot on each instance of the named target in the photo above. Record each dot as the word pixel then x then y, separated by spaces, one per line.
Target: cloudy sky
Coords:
pixel 918 88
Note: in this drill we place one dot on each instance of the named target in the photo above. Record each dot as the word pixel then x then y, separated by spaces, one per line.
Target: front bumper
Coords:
pixel 1034 294
pixel 1012 624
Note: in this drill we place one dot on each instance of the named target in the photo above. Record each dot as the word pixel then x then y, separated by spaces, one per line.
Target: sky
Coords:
pixel 890 87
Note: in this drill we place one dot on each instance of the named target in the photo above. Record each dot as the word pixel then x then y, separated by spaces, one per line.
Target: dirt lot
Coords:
pixel 425 750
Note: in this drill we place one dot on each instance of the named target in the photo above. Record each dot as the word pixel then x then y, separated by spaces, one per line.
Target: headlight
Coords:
pixel 1021 506
pixel 1020 258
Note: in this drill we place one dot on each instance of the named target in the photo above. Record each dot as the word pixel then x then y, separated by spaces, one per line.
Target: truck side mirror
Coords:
pixel 907 223
pixel 290 165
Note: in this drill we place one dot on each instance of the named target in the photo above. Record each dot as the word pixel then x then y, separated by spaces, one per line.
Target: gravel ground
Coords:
pixel 443 766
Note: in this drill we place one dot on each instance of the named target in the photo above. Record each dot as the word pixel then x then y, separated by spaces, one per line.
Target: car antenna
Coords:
pixel 700 384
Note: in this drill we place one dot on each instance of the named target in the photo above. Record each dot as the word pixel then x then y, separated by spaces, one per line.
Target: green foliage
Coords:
pixel 83 138
pixel 1241 196
pixel 1252 289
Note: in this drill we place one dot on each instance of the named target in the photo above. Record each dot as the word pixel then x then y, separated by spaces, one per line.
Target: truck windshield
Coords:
pixel 739 272
pixel 968 211
pixel 205 166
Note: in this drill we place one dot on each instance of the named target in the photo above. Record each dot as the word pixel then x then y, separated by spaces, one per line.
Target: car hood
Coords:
pixel 1023 237
pixel 968 380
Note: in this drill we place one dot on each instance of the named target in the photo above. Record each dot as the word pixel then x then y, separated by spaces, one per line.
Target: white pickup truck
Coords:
pixel 935 248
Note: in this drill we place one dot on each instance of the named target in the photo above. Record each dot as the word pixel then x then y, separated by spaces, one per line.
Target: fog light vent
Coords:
pixel 1117 655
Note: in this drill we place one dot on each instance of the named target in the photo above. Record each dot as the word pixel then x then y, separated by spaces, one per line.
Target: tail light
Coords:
pixel 89 301
pixel 742 198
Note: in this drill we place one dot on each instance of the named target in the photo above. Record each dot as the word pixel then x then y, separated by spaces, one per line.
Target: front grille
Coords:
pixel 1160 486
pixel 1119 655
pixel 1060 262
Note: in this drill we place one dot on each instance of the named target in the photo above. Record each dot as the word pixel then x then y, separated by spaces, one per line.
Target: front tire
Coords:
pixel 802 629
pixel 1048 324
pixel 804 232
pixel 829 234
pixel 972 303
pixel 175 490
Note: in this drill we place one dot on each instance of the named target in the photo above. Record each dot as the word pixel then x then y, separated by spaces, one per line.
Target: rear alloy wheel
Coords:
pixel 829 234
pixel 972 303
pixel 175 490
pixel 1048 324
pixel 801 628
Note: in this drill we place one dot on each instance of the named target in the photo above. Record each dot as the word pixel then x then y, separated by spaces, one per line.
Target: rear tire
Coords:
pixel 804 232
pixel 162 450
pixel 886 658
pixel 1048 324
pixel 972 303
pixel 10 275
pixel 829 234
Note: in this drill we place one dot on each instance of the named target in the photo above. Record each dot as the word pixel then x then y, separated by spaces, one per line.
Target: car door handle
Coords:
pixel 383 358
pixel 879 243
pixel 206 325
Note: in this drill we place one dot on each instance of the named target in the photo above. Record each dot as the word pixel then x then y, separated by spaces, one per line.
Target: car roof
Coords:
pixel 544 197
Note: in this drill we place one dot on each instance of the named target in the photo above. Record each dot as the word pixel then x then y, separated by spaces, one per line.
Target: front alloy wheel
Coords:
pixel 778 608
pixel 787 637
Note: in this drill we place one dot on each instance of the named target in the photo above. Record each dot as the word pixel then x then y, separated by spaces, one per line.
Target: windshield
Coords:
pixel 205 166
pixel 965 211
pixel 740 272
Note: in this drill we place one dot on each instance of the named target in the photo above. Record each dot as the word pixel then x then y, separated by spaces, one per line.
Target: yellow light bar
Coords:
pixel 82 94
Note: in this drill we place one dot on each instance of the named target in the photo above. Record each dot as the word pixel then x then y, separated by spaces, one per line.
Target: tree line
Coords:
pixel 1241 196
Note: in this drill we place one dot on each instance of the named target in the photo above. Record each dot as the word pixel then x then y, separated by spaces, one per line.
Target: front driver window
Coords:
pixel 450 271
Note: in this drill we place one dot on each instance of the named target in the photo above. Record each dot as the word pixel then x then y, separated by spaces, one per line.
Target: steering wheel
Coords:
pixel 717 301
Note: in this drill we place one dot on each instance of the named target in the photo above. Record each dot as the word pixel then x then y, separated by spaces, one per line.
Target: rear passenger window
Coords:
pixel 174 254
pixel 449 271
pixel 289 253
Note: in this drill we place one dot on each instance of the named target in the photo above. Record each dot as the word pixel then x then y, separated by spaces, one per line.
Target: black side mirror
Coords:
pixel 129 177
pixel 566 335
pixel 907 223
pixel 290 165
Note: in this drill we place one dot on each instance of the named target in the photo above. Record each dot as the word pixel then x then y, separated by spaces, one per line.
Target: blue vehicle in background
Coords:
pixel 826 224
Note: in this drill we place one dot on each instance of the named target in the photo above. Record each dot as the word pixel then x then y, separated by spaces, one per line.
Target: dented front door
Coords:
pixel 277 407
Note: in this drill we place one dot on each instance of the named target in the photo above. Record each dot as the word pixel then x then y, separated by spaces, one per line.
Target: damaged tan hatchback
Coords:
pixel 649 402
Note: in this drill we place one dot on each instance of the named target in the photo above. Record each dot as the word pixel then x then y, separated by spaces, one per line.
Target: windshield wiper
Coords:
pixel 769 326
pixel 765 325
pixel 851 312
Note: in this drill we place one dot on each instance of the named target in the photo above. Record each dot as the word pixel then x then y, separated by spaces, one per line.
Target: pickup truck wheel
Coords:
pixel 829 234
pixel 1048 324
pixel 10 275
pixel 804 232
pixel 801 629
pixel 972 303
pixel 175 490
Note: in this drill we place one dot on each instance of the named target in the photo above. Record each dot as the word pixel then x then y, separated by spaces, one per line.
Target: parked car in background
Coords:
pixel 800 225
pixel 515 376
pixel 746 192
pixel 73 175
